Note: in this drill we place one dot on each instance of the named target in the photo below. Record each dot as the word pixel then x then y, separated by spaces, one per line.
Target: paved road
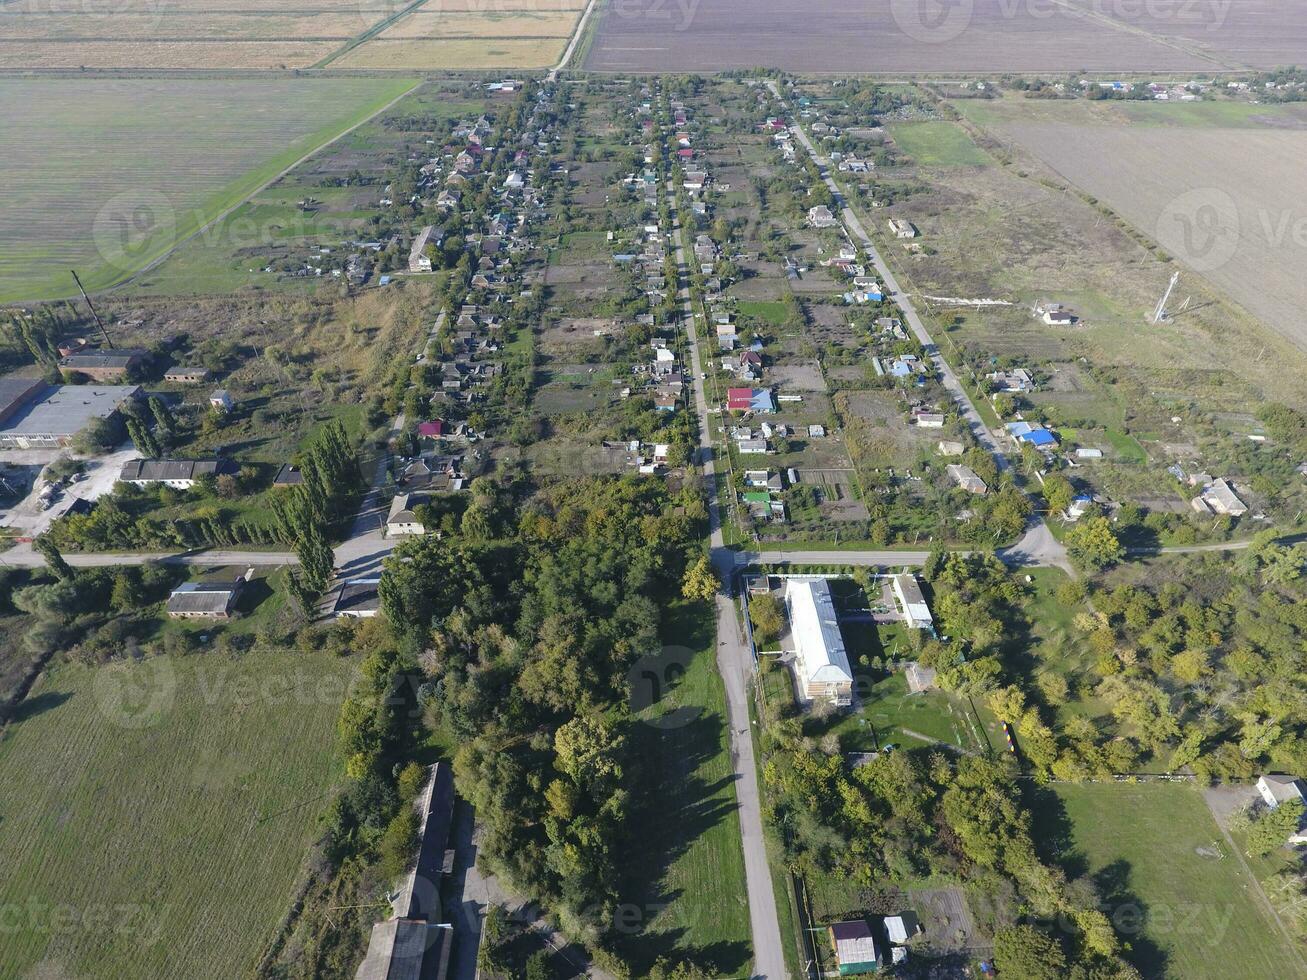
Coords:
pixel 24 556
pixel 888 559
pixel 735 662
pixel 853 226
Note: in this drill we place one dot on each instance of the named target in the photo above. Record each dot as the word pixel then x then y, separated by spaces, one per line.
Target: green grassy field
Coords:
pixel 154 817
pixel 1171 885
pixel 109 175
pixel 937 144
pixel 686 878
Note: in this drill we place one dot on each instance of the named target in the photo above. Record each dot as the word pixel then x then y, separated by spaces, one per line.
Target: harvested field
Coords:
pixel 167 155
pixel 193 25
pixel 163 54
pixel 516 24
pixel 468 53
pixel 984 36
pixel 1233 212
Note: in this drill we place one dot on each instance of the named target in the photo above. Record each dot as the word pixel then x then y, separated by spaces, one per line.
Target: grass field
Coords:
pixel 105 176
pixel 687 885
pixel 1171 885
pixel 1231 214
pixel 155 817
pixel 937 144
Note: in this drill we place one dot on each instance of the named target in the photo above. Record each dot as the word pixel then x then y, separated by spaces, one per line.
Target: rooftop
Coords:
pixel 67 409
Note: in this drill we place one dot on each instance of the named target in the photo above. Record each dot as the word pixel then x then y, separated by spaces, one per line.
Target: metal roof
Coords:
pixel 815 627
pixel 67 409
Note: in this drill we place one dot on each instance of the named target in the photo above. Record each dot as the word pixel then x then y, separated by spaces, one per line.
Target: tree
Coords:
pixel 1092 544
pixel 765 614
pixel 700 581
pixel 50 552
pixel 1058 493
pixel 1272 829
pixel 1025 952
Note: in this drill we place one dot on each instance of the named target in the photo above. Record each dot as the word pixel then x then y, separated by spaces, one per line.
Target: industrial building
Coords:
pixel 49 417
pixel 821 664
pixel 105 365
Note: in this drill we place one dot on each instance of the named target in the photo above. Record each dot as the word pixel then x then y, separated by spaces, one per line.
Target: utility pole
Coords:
pixel 98 322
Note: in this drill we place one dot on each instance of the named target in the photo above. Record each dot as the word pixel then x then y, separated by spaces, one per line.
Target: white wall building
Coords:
pixel 821 664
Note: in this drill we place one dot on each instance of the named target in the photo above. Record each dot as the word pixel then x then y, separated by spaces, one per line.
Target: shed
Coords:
pixel 855 947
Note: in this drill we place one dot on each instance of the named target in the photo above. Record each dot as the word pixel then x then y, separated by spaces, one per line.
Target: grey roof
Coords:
pixel 67 409
pixel 406 949
pixel 402 508
pixel 204 597
pixel 16 392
pixel 420 897
pixel 160 470
pixel 288 476
pixel 104 358
pixel 358 595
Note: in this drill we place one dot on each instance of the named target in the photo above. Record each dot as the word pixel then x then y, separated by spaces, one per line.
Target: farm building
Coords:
pixel 414 943
pixel 180 474
pixel 15 393
pixel 105 365
pixel 45 418
pixel 186 375
pixel 855 947
pixel 902 228
pixel 916 612
pixel 358 598
pixel 821 663
pixel 221 400
pixel 966 478
pixel 206 600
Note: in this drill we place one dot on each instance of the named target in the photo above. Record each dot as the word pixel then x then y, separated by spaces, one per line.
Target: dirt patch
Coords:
pixel 797 377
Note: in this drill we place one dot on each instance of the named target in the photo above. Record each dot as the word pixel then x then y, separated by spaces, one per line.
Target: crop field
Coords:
pixel 1233 213
pixel 156 815
pixel 105 176
pixel 247 35
pixel 984 36
pixel 1188 907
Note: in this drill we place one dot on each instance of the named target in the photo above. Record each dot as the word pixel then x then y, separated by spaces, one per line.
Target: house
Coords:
pixel 966 478
pixel 357 598
pixel 1219 498
pixel 1015 381
pixel 1055 315
pixel 821 217
pixel 757 478
pixel 902 228
pixel 434 429
pixel 1079 506
pixel 180 474
pixel 912 604
pixel 821 663
pixel 1277 789
pixel 221 400
pixel 105 365
pixel 288 476
pixel 749 400
pixel 665 401
pixel 762 506
pixel 751 447
pixel 1031 434
pixel 418 260
pixel 816 431
pixel 855 947
pixel 947 447
pixel 929 420
pixel 206 600
pixel 186 375
pixel 403 518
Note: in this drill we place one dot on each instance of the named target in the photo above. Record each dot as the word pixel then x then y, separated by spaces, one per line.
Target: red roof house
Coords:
pixel 431 430
pixel 739 399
